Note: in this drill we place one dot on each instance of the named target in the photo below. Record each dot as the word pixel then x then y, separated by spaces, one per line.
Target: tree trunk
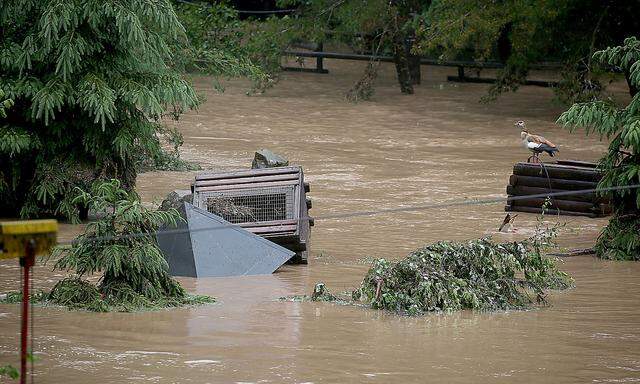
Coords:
pixel 414 61
pixel 127 173
pixel 400 58
pixel 414 69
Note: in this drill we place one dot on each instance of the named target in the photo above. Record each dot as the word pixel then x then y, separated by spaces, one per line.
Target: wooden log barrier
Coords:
pixel 524 190
pixel 538 210
pixel 557 171
pixel 543 182
pixel 565 205
pixel 577 163
pixel 535 179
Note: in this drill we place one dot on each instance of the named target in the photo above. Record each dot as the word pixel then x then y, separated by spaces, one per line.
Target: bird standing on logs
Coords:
pixel 534 143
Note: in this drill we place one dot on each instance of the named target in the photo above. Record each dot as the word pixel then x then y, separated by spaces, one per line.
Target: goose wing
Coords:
pixel 540 140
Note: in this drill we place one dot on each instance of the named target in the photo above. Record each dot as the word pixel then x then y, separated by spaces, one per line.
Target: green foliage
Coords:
pixel 621 164
pixel 349 21
pixel 75 294
pixel 222 45
pixel 121 246
pixel 320 293
pixel 521 33
pixel 163 159
pixel 9 371
pixel 89 82
pixel 59 183
pixel 514 32
pixel 478 274
pixel 16 297
pixel 619 240
pixel 5 104
pixel 363 89
pixel 377 27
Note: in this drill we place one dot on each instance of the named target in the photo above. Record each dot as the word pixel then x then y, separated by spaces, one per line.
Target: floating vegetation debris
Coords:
pixel 320 293
pixel 226 207
pixel 478 274
pixel 448 276
pixel 9 371
pixel 15 297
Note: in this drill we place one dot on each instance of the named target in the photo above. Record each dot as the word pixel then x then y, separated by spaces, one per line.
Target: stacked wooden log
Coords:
pixel 538 179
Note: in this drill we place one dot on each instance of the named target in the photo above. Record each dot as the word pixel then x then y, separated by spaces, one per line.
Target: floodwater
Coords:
pixel 439 145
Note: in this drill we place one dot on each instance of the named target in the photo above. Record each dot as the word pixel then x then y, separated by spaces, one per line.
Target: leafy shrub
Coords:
pixel 478 274
pixel 222 45
pixel 620 240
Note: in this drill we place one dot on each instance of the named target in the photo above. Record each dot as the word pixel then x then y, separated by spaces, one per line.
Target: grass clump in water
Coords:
pixel 320 293
pixel 478 274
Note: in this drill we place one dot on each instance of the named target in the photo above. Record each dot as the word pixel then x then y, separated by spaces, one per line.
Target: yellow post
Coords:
pixel 15 235
pixel 26 240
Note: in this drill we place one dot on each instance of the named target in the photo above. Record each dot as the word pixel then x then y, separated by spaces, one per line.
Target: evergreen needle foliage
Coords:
pixel 5 104
pixel 122 247
pixel 165 159
pixel 620 240
pixel 89 82
pixel 479 275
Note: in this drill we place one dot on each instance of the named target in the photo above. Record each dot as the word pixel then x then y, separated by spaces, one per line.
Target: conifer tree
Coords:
pixel 121 248
pixel 4 104
pixel 90 80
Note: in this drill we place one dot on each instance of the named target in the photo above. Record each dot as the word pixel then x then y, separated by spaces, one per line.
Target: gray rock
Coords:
pixel 264 158
pixel 175 199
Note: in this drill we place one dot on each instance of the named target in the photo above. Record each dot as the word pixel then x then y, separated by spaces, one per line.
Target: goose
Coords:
pixel 534 143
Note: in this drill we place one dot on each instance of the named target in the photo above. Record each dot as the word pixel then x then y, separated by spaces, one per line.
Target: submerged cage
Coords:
pixel 269 202
pixel 255 205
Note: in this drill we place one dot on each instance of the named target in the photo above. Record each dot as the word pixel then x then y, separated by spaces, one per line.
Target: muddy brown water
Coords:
pixel 439 145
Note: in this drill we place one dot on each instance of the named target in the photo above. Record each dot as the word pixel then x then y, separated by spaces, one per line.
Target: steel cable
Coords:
pixel 411 208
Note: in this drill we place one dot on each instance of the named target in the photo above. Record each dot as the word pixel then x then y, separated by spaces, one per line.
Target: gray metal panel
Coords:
pixel 222 249
pixel 176 248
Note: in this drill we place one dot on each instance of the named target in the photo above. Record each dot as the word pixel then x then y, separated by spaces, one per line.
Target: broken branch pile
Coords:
pixel 478 274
